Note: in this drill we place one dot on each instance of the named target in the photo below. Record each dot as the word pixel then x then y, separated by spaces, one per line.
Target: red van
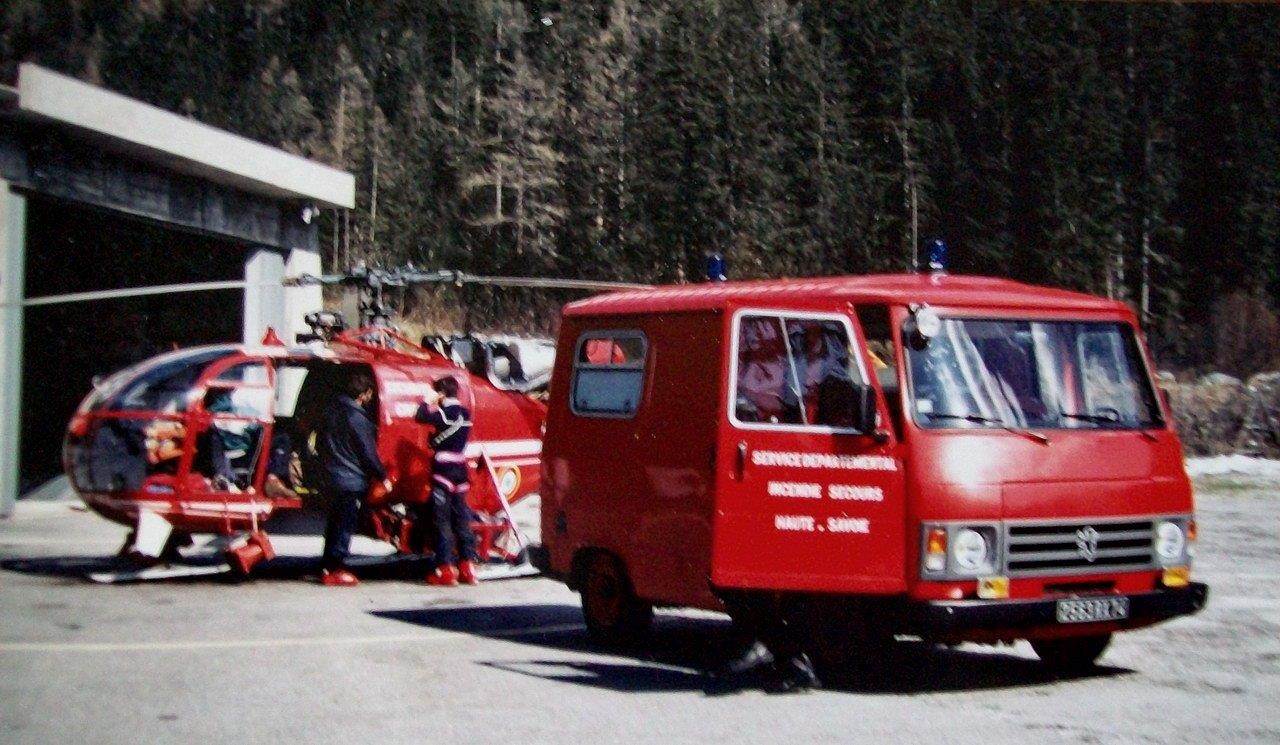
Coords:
pixel 957 458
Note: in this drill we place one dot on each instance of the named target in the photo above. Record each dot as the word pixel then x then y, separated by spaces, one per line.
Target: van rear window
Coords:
pixel 608 373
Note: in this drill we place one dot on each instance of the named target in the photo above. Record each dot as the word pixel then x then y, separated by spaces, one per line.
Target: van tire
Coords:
pixel 1074 654
pixel 613 614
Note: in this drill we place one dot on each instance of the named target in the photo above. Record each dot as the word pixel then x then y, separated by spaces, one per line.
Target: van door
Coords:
pixel 804 500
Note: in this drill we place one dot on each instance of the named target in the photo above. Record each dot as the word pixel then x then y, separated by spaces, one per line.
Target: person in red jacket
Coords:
pixel 450 422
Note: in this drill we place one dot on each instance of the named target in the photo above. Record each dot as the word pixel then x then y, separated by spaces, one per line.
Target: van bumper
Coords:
pixel 999 619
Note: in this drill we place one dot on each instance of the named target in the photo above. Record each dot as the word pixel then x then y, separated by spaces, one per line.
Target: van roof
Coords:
pixel 945 290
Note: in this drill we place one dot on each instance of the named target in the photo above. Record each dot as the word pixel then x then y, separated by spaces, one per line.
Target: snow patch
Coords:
pixel 1233 465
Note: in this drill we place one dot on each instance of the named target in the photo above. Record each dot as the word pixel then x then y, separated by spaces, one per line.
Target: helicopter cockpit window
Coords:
pixel 245 373
pixel 239 401
pixel 608 373
pixel 146 431
pixel 164 385
pixel 246 403
pixel 289 382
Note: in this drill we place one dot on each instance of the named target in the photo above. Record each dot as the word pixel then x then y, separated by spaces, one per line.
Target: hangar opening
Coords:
pixel 74 248
pixel 133 205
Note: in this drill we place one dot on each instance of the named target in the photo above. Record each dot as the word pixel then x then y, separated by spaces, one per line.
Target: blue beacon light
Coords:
pixel 715 268
pixel 937 255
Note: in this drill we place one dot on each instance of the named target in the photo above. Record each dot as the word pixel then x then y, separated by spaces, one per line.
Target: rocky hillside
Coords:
pixel 1219 414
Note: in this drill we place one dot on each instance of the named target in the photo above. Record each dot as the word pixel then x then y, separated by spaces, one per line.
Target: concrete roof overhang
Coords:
pixel 151 134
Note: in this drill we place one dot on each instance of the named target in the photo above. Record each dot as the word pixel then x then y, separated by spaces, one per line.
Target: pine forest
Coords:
pixel 1125 149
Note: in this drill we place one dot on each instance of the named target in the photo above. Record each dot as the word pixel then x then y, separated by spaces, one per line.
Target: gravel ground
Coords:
pixel 283 658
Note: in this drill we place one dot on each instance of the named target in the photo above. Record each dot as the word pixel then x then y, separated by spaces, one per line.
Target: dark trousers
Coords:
pixel 344 509
pixel 219 458
pixel 764 618
pixel 452 516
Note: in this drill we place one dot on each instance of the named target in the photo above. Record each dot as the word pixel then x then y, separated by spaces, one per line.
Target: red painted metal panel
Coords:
pixel 800 508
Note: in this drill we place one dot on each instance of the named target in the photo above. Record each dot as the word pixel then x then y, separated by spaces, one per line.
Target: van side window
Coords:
pixel 794 370
pixel 608 373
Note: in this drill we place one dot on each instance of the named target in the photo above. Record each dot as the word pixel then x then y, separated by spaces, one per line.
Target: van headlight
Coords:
pixel 959 551
pixel 1170 542
pixel 969 550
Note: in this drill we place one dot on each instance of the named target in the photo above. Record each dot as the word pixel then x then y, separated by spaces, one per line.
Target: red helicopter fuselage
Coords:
pixel 219 439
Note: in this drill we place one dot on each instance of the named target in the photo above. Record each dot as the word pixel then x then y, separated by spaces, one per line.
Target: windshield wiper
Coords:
pixel 1105 416
pixel 966 417
pixel 979 419
pixel 1111 416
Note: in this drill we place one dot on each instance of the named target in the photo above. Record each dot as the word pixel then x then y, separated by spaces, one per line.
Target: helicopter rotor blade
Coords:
pixel 383 278
pixel 405 277
pixel 83 297
pixel 549 283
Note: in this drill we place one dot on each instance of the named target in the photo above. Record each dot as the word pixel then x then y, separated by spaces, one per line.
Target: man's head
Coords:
pixel 447 387
pixel 360 387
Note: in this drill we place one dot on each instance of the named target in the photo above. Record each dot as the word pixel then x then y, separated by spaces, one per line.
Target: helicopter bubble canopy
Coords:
pixel 159 384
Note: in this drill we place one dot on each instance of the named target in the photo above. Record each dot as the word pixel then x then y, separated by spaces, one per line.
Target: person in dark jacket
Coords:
pixel 450 422
pixel 348 449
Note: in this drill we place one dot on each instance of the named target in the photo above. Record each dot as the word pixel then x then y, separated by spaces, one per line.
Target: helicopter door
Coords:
pixel 234 424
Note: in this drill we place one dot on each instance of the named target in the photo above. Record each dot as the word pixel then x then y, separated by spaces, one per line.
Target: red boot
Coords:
pixel 338 578
pixel 445 575
pixel 467 573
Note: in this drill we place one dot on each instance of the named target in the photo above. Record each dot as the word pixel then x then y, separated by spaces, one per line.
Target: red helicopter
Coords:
pixel 219 439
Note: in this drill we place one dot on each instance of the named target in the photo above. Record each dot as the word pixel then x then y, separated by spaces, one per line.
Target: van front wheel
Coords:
pixel 1072 654
pixel 613 614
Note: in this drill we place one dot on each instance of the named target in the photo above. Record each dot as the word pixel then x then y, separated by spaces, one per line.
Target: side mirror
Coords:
pixel 865 411
pixel 844 403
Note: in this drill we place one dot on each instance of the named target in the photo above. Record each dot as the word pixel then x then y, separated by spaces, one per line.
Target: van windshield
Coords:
pixel 1030 374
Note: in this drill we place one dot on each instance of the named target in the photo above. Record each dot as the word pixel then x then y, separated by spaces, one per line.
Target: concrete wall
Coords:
pixel 264 296
pixel 77 142
pixel 49 161
pixel 13 220
pixel 272 305
pixel 184 144
pixel 299 301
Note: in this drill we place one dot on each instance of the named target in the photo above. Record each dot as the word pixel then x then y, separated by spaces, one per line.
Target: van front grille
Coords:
pixel 1076 547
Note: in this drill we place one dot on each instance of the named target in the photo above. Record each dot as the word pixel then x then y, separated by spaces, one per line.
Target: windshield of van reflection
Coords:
pixel 1030 374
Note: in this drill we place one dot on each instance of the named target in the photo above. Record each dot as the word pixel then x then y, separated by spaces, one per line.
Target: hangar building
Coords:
pixel 99 192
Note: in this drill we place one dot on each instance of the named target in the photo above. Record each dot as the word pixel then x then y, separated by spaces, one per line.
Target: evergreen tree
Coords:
pixel 1126 149
pixel 512 193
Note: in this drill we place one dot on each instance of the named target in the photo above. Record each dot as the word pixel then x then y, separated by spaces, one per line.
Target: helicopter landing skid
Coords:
pixel 213 547
pixel 490 572
pixel 167 571
pixel 485 572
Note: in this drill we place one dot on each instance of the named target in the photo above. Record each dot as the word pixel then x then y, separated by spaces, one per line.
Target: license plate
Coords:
pixel 1088 610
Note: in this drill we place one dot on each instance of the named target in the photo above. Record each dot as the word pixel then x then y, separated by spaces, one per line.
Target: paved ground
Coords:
pixel 394 661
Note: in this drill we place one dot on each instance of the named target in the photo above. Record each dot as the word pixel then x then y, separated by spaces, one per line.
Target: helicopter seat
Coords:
pixel 506 373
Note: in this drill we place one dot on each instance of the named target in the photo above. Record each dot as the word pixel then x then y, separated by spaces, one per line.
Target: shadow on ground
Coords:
pixel 681 651
pixel 287 568
pixel 200 559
